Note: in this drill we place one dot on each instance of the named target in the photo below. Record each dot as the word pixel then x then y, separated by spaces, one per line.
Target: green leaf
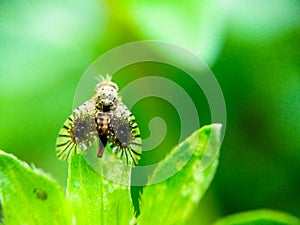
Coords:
pixel 29 196
pixel 261 216
pixel 95 199
pixel 174 199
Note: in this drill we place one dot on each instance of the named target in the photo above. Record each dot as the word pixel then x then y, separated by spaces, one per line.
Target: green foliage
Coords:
pixel 180 194
pixel 259 217
pixel 251 46
pixel 95 199
pixel 29 196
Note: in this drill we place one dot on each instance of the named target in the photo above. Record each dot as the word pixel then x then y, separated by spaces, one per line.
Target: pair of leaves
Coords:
pixel 30 196
pixel 110 202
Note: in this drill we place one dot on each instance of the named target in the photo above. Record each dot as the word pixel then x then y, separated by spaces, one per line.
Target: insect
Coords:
pixel 104 118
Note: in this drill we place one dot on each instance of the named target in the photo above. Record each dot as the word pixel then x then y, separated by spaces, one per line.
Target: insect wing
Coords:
pixel 78 132
pixel 126 142
pixel 65 143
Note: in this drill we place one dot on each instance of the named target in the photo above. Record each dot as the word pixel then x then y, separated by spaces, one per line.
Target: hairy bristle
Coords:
pixel 102 79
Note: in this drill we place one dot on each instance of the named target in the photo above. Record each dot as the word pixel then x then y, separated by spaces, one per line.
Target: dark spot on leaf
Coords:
pixel 40 194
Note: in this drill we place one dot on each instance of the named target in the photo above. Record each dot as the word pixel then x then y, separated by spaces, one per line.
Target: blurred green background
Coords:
pixel 253 48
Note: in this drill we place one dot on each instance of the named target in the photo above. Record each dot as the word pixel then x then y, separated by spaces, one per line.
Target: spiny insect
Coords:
pixel 106 118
